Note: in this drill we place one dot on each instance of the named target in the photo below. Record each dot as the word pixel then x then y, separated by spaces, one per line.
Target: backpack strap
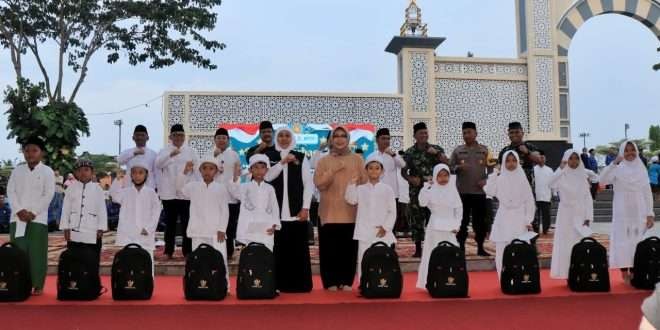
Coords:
pixel 380 243
pixel 446 244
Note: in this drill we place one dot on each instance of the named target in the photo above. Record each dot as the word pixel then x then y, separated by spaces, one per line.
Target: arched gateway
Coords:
pixel 441 91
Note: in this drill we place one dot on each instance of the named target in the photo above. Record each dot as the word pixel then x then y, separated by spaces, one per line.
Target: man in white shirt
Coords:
pixel 140 154
pixel 543 193
pixel 392 165
pixel 30 189
pixel 170 162
pixel 229 164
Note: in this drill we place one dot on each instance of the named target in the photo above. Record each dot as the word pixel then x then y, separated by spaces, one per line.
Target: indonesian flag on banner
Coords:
pixel 250 131
pixel 359 130
pixel 244 133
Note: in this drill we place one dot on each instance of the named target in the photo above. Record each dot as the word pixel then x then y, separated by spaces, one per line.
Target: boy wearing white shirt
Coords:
pixel 171 161
pixel 209 214
pixel 260 214
pixel 140 209
pixel 542 176
pixel 84 216
pixel 140 154
pixel 30 189
pixel 228 164
pixel 376 211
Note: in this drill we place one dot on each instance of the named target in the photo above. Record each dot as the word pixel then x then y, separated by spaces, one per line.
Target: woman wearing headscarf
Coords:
pixel 442 198
pixel 575 210
pixel 292 179
pixel 337 249
pixel 516 204
pixel 632 209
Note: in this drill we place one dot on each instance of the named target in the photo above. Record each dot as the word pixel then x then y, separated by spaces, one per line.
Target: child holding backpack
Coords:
pixel 376 211
pixel 516 204
pixel 84 216
pixel 575 209
pixel 140 209
pixel 441 197
pixel 260 215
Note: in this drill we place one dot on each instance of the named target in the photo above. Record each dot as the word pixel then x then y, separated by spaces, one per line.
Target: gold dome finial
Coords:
pixel 413 25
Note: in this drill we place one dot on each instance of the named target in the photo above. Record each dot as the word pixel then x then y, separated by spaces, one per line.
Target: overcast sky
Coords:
pixel 338 46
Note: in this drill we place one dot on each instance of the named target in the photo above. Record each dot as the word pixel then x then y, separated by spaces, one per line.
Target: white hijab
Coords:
pixel 634 174
pixel 285 151
pixel 512 186
pixel 445 194
pixel 575 183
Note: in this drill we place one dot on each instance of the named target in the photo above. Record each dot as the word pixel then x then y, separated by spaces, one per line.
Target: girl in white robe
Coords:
pixel 376 209
pixel 516 204
pixel 260 214
pixel 444 202
pixel 632 208
pixel 575 210
pixel 140 209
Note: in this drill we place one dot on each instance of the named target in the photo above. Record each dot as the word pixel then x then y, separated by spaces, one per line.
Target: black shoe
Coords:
pixel 418 250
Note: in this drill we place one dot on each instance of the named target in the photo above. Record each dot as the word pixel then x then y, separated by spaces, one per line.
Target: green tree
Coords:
pixel 159 33
pixel 654 137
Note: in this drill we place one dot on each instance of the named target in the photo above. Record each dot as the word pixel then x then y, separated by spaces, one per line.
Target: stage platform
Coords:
pixel 486 308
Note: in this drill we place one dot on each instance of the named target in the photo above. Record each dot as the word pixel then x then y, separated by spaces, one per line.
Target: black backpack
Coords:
pixel 15 280
pixel 78 274
pixel 447 275
pixel 205 277
pixel 256 273
pixel 646 269
pixel 381 273
pixel 520 269
pixel 589 271
pixel 132 277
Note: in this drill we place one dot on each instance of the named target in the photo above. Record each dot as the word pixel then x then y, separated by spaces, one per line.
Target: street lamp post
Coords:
pixel 119 122
pixel 584 136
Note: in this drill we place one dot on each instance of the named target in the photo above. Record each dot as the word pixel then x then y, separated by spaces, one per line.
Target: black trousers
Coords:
pixel 313 220
pixel 176 209
pixel 542 216
pixel 234 211
pixel 293 268
pixel 401 224
pixel 337 254
pixel 474 207
pixel 594 190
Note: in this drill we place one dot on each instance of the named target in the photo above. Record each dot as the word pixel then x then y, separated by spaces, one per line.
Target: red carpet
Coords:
pixel 487 308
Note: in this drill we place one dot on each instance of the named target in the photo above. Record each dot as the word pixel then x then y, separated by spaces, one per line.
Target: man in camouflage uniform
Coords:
pixel 420 160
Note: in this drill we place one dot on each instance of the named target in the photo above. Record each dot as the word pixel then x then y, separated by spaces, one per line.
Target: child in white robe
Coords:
pixel 260 214
pixel 516 204
pixel 209 205
pixel 84 215
pixel 376 209
pixel 444 202
pixel 140 209
pixel 632 208
pixel 575 210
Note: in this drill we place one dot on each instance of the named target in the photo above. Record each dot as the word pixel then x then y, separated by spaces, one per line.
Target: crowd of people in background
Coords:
pixel 354 202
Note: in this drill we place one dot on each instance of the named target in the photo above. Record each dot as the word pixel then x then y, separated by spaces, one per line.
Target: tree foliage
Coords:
pixel 60 124
pixel 159 33
pixel 654 137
